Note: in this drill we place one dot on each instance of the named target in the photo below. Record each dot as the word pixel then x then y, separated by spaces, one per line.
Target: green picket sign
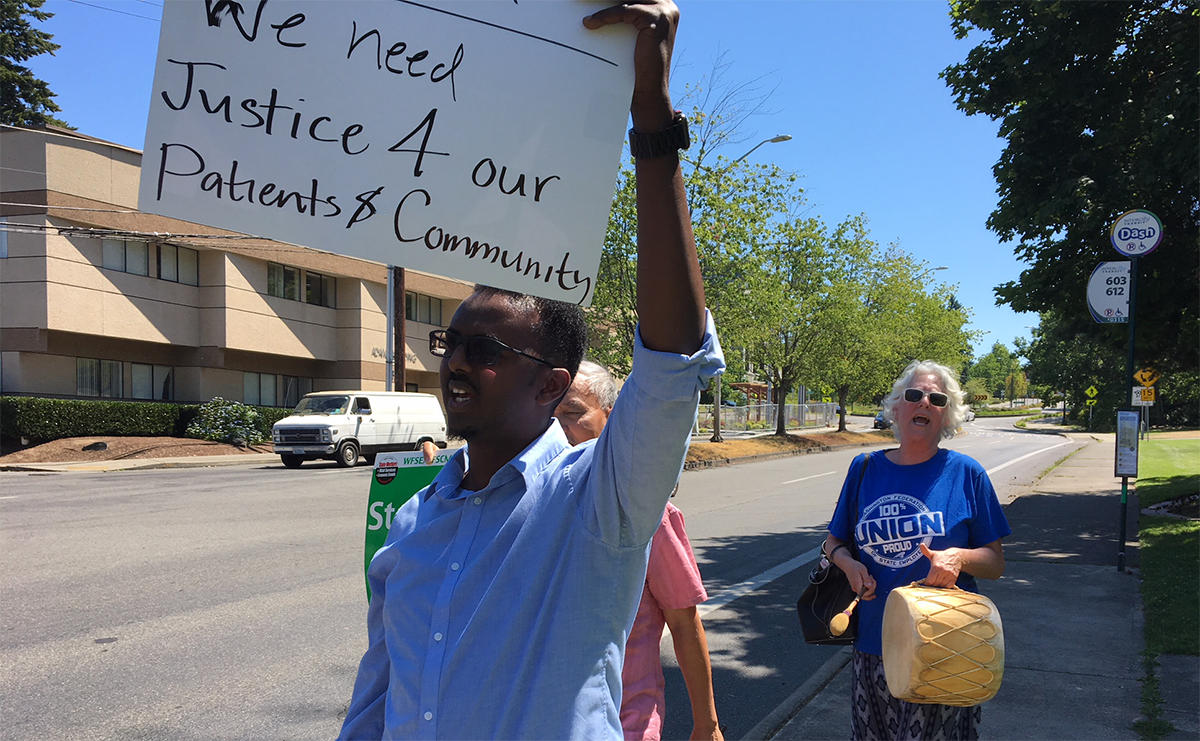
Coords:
pixel 396 478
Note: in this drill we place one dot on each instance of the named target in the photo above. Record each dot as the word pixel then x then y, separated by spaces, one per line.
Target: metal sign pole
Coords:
pixel 1135 233
pixel 1122 534
pixel 1133 276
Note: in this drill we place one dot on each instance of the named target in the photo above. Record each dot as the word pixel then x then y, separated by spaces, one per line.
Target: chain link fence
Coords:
pixel 761 417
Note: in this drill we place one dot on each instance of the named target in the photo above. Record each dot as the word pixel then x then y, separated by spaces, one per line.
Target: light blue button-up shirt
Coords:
pixel 502 613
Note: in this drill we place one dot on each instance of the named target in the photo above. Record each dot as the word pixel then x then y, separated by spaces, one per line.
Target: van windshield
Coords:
pixel 323 405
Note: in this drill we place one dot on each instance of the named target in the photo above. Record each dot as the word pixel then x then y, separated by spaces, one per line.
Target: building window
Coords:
pixel 126 256
pixel 98 378
pixel 421 308
pixel 320 290
pixel 152 381
pixel 283 281
pixel 270 390
pixel 259 389
pixel 412 388
pixel 178 264
pixel 292 388
pixel 3 237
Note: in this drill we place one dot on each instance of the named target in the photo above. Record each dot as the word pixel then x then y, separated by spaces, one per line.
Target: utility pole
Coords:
pixel 398 321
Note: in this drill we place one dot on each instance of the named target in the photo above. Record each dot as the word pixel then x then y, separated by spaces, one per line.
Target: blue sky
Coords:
pixel 874 129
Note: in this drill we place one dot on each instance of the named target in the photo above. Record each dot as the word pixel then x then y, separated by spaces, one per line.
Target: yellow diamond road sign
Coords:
pixel 1146 376
pixel 1091 392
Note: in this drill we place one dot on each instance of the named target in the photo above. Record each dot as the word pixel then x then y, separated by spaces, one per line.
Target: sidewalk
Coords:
pixel 1072 622
pixel 138 464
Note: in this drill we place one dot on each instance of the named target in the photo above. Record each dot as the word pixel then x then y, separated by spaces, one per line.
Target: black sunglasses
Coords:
pixel 936 398
pixel 481 350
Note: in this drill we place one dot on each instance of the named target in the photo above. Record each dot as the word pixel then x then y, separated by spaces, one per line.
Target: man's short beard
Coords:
pixel 460 433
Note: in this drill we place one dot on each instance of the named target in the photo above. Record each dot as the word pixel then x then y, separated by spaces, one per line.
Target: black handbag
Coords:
pixel 829 592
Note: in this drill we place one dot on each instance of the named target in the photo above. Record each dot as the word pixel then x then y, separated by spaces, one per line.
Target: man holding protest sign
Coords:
pixel 504 595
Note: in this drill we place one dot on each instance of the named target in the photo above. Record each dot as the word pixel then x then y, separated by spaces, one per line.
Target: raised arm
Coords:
pixel 670 289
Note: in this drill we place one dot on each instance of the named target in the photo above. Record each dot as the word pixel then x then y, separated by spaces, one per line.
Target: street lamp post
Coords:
pixel 716 436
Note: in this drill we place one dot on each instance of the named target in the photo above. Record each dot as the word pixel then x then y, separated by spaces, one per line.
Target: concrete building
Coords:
pixel 99 300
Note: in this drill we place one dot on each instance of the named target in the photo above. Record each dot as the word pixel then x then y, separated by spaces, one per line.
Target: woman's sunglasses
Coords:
pixel 936 398
pixel 481 350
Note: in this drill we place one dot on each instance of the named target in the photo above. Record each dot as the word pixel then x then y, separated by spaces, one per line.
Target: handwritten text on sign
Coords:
pixel 477 140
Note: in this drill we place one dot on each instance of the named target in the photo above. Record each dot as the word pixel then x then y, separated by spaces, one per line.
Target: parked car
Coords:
pixel 881 423
pixel 970 416
pixel 343 425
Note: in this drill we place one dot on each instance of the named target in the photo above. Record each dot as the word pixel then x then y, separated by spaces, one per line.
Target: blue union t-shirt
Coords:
pixel 945 502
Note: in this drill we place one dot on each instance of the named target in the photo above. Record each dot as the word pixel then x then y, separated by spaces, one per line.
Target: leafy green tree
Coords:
pixel 993 370
pixel 733 203
pixel 976 391
pixel 736 207
pixel 793 288
pixel 612 317
pixel 881 317
pixel 24 99
pixel 1062 359
pixel 1099 105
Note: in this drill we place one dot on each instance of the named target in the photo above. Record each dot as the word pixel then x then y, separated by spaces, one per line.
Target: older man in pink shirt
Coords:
pixel 669 597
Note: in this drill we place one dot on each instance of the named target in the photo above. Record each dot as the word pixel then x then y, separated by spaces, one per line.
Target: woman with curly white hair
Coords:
pixel 905 514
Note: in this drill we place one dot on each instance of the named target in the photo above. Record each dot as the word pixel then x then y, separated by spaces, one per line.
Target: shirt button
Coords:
pixel 478 500
pixel 437 636
pixel 428 715
pixel 454 566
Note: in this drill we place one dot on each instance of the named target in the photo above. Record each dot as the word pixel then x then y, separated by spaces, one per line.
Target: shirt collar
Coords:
pixel 528 464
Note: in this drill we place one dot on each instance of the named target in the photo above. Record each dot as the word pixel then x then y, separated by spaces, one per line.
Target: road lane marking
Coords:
pixel 1003 466
pixel 752 584
pixel 12 497
pixel 806 478
pixel 755 582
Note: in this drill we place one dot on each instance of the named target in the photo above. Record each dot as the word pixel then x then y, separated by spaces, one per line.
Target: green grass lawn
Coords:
pixel 1167 469
pixel 1170 560
pixel 1170 547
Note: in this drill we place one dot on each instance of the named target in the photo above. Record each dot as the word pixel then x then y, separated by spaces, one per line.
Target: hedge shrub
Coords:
pixel 224 421
pixel 41 420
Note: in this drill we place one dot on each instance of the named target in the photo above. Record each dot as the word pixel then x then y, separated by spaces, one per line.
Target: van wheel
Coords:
pixel 347 455
pixel 421 442
pixel 291 461
pixel 370 458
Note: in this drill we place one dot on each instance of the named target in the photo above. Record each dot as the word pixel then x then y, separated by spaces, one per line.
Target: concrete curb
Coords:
pixel 144 464
pixel 212 461
pixel 786 710
pixel 719 462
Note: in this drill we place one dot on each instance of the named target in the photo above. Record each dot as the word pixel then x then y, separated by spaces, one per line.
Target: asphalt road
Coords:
pixel 749 522
pixel 228 603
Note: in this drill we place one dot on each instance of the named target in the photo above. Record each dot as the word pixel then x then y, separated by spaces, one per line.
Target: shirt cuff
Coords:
pixel 664 374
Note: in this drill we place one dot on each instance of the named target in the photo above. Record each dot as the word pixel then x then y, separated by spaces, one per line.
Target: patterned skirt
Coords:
pixel 877 716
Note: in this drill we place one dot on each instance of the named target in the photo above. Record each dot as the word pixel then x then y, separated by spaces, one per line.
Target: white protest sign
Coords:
pixel 478 140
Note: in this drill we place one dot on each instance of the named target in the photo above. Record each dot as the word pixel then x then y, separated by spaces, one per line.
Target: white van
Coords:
pixel 342 425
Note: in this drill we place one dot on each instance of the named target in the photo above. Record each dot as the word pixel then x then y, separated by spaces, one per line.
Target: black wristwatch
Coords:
pixel 660 143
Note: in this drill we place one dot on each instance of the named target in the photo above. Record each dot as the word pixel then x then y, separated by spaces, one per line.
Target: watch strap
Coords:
pixel 660 143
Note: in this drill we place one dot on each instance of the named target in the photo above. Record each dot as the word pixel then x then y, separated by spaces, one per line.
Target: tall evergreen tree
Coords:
pixel 24 99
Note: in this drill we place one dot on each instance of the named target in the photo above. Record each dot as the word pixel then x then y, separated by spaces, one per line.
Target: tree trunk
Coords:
pixel 781 391
pixel 843 395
